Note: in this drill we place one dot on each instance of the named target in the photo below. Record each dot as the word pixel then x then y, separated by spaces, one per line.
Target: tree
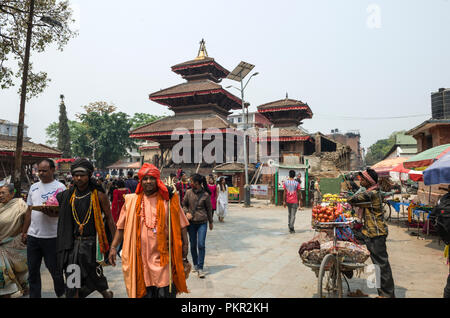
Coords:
pixel 52 134
pixel 100 126
pixel 13 29
pixel 378 150
pixel 78 137
pixel 63 131
pixel 107 132
pixel 99 107
pixel 142 119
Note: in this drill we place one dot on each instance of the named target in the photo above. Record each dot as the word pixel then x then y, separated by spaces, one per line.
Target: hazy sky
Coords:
pixel 347 58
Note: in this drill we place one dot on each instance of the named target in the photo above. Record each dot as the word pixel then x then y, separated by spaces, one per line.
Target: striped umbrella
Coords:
pixel 401 173
pixel 424 159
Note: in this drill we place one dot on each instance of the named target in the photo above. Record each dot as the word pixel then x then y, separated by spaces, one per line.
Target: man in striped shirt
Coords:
pixel 291 198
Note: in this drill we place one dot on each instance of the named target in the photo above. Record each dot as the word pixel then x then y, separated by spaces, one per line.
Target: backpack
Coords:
pixel 440 216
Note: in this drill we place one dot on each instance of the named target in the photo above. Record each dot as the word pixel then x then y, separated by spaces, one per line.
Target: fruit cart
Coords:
pixel 338 258
pixel 334 265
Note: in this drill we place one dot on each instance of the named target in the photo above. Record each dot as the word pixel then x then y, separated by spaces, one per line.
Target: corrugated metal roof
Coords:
pixel 402 139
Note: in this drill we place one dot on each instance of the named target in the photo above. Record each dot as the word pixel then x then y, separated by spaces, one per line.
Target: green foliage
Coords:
pixel 110 132
pixel 142 119
pixel 80 140
pixel 100 126
pixel 52 134
pixel 13 30
pixel 64 132
pixel 379 149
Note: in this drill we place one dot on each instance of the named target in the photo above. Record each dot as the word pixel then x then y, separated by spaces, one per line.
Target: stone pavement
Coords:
pixel 253 255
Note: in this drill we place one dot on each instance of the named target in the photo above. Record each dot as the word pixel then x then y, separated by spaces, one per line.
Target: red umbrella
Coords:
pixel 416 175
pixel 401 169
pixel 413 175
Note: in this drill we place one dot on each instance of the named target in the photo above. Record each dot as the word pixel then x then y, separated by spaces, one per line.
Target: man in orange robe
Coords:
pixel 143 226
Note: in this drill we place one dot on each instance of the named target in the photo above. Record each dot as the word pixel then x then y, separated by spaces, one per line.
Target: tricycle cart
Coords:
pixel 333 265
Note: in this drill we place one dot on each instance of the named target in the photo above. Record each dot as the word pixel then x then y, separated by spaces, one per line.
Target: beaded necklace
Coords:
pixel 152 222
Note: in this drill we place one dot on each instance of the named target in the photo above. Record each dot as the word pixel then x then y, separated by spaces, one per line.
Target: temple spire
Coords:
pixel 202 53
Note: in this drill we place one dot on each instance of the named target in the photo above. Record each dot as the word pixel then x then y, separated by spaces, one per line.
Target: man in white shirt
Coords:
pixel 40 231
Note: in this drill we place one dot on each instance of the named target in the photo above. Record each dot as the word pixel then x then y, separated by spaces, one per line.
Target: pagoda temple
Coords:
pixel 286 115
pixel 201 97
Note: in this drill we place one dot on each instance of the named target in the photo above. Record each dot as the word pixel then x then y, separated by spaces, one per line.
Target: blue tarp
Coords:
pixel 438 172
pixel 396 205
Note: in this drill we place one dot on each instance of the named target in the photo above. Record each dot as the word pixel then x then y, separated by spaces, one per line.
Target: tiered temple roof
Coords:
pixel 201 93
pixel 200 98
pixel 286 112
pixel 162 129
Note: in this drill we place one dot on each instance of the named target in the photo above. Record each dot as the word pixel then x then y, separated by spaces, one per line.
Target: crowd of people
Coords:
pixel 150 224
pixel 98 220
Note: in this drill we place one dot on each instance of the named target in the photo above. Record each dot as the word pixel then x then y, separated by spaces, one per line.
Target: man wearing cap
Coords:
pixel 82 239
pixel 144 227
pixel 375 229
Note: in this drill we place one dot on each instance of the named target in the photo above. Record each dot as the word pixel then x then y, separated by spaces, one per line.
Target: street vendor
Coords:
pixel 375 229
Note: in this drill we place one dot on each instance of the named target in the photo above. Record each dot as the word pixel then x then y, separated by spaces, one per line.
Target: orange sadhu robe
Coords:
pixel 154 274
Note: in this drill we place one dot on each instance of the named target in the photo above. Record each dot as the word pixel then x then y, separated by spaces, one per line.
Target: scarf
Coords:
pixel 132 265
pixel 11 217
pixel 98 220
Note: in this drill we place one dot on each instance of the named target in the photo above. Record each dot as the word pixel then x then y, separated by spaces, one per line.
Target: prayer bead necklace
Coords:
pixel 155 220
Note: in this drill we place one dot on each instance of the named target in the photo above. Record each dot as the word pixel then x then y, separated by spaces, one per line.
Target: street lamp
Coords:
pixel 23 96
pixel 238 74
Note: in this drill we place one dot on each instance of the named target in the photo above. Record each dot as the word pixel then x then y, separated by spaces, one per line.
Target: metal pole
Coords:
pixel 306 185
pixel 246 187
pixel 19 145
pixel 276 188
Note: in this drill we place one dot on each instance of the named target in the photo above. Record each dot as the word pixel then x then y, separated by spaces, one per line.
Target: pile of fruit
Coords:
pixel 328 213
pixel 332 198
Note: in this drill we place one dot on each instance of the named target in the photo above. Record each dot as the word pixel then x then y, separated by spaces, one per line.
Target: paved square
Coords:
pixel 252 255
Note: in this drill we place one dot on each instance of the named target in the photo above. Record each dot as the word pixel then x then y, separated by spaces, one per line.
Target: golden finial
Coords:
pixel 202 53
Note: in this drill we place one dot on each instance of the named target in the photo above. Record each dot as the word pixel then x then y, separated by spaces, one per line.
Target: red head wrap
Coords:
pixel 368 178
pixel 150 170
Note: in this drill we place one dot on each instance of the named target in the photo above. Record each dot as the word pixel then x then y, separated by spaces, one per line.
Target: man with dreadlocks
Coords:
pixel 375 229
pixel 81 232
pixel 152 226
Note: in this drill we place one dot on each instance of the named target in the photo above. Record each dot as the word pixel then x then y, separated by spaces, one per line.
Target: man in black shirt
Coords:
pixel 131 183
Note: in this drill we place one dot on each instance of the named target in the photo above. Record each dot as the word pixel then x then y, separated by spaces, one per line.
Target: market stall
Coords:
pixel 235 178
pixel 427 193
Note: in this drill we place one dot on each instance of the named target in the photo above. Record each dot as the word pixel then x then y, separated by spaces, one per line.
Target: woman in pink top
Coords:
pixel 212 188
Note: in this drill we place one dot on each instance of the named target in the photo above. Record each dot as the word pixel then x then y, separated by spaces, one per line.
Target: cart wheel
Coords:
pixel 330 281
pixel 387 211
